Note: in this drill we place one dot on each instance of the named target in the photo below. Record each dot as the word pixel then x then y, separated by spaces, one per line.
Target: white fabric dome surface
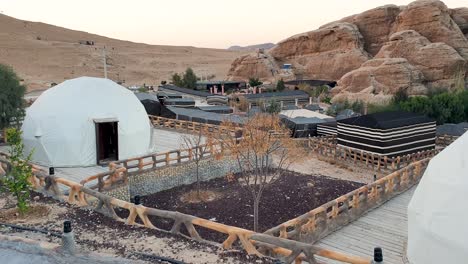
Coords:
pixel 437 213
pixel 60 126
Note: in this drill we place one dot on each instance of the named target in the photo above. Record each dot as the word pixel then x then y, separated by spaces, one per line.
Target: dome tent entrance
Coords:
pixel 437 215
pixel 84 120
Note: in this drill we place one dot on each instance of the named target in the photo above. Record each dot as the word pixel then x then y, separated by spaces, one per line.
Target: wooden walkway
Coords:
pixel 385 227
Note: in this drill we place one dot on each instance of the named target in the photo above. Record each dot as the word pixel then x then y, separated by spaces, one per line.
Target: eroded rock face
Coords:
pixel 431 19
pixel 418 47
pixel 378 79
pixel 440 63
pixel 252 65
pixel 375 26
pixel 338 46
pixel 460 16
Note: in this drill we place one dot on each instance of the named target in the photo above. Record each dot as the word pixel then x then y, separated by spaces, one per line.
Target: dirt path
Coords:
pixel 314 165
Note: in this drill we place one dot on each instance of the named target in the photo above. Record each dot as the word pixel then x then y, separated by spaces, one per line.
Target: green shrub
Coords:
pixel 17 181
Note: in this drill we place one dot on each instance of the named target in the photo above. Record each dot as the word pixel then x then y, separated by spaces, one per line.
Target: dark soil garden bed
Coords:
pixel 292 195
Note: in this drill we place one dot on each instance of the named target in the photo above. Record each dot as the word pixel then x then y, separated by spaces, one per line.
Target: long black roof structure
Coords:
pixel 200 116
pixel 278 95
pixel 184 90
pixel 311 82
pixel 387 120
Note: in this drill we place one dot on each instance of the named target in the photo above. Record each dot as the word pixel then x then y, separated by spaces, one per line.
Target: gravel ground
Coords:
pixel 292 195
pixel 100 234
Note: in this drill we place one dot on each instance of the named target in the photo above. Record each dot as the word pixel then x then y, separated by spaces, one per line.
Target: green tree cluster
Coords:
pixel 254 82
pixel 187 80
pixel 444 107
pixel 280 86
pixel 11 97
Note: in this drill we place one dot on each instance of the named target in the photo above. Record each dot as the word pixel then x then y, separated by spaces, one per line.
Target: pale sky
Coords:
pixel 200 23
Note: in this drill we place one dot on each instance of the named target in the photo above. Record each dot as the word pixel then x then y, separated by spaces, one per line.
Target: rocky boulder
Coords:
pixel 375 26
pixel 378 79
pixel 441 64
pixel 460 16
pixel 256 65
pixel 338 46
pixel 431 18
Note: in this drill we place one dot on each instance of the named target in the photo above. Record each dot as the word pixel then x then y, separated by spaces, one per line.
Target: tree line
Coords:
pixel 444 107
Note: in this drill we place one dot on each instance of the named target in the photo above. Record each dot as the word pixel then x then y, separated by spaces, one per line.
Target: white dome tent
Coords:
pixel 437 213
pixel 83 121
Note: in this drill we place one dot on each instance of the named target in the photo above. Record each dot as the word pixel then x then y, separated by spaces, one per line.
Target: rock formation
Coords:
pixel 460 16
pixel 338 46
pixel 440 63
pixel 257 65
pixel 375 25
pixel 418 47
pixel 377 79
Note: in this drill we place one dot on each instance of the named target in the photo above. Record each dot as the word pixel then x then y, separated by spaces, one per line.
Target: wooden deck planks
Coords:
pixel 385 227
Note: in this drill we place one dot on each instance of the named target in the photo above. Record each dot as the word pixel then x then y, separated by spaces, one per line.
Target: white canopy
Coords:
pixel 60 125
pixel 437 213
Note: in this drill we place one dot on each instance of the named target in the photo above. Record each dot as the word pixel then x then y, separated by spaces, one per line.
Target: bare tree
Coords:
pixel 197 147
pixel 262 152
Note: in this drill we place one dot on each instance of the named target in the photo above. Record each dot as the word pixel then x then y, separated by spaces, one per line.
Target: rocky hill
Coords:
pixel 419 47
pixel 43 54
pixel 252 47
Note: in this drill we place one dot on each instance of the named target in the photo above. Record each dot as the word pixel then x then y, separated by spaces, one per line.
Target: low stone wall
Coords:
pixel 160 179
pixel 121 192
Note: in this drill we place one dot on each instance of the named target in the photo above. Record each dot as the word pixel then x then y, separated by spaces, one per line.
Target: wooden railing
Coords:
pixel 323 220
pixel 116 176
pixel 156 160
pixel 326 147
pixel 251 242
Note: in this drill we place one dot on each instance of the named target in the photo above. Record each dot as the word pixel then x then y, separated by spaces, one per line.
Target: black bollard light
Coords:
pixel 378 255
pixel 375 177
pixel 67 226
pixel 68 239
pixel 51 171
pixel 136 200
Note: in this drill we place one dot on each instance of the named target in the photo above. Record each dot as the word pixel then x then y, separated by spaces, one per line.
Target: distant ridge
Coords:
pixel 252 47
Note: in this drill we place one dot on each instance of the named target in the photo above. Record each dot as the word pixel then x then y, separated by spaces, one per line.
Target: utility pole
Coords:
pixel 104 60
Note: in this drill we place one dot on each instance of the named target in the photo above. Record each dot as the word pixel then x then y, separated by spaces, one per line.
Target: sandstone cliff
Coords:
pixel 418 47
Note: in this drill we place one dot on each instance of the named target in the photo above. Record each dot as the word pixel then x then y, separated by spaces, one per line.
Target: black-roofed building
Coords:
pixel 196 94
pixel 388 133
pixel 220 86
pixel 200 116
pixel 150 102
pixel 220 109
pixel 302 126
pixel 179 102
pixel 310 82
pixel 286 97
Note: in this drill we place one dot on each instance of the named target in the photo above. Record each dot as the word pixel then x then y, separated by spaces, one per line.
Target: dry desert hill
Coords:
pixel 42 54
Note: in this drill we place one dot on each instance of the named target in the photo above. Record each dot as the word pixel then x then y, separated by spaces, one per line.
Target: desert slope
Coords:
pixel 42 54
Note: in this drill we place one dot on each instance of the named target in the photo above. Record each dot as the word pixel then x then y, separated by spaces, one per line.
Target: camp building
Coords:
pixel 387 133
